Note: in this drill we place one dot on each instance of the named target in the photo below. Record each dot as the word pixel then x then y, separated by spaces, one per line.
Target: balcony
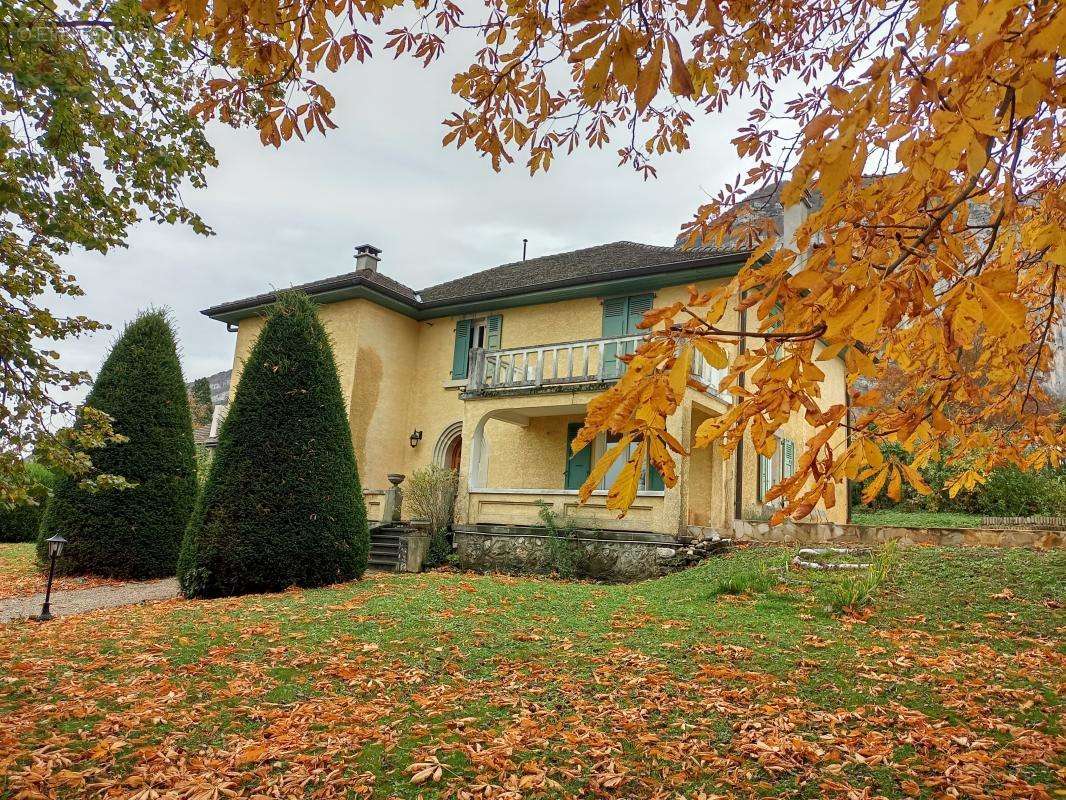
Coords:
pixel 581 365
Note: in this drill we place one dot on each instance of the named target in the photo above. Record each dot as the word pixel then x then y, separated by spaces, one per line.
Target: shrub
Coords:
pixel 1007 491
pixel 204 457
pixel 1010 492
pixel 282 505
pixel 566 557
pixel 134 532
pixel 20 523
pixel 439 549
pixel 855 590
pixel 430 495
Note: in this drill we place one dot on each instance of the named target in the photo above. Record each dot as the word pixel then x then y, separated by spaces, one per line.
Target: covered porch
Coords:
pixel 517 459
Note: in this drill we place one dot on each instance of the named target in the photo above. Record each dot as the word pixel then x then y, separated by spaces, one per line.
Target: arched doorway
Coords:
pixel 454 455
pixel 449 449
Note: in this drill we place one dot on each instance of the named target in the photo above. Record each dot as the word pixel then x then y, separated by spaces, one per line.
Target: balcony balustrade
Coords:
pixel 587 362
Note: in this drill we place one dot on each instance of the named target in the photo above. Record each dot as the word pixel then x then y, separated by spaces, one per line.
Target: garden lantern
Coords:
pixel 416 437
pixel 55 550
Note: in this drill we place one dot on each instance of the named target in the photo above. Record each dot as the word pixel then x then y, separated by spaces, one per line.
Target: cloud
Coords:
pixel 295 214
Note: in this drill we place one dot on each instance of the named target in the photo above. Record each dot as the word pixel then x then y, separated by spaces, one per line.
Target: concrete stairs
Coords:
pixel 385 542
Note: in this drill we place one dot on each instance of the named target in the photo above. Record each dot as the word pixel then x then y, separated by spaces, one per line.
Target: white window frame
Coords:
pixel 777 471
pixel 479 333
pixel 600 447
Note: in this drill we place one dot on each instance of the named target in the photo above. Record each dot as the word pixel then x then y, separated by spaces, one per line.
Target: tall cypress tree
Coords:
pixel 282 505
pixel 135 532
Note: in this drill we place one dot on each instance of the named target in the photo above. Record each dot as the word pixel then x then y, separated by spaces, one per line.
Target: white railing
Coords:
pixel 583 362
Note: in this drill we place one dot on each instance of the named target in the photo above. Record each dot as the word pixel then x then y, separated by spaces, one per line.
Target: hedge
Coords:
pixel 22 522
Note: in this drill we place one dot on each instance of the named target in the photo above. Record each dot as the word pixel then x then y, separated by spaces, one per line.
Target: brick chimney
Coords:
pixel 367 257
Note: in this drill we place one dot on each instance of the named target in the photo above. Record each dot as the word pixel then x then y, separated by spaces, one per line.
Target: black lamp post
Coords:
pixel 55 550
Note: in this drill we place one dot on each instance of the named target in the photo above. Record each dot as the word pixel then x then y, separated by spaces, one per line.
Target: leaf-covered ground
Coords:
pixel 451 685
pixel 19 576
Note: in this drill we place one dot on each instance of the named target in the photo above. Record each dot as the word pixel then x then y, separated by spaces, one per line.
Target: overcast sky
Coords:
pixel 286 216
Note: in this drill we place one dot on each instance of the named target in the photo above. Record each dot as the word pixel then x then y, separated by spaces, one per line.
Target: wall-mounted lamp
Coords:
pixel 416 437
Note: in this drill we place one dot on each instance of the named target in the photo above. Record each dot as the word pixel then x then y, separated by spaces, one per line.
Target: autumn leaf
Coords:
pixel 649 78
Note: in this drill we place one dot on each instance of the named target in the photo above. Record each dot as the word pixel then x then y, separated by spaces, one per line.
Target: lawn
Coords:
pixel 463 686
pixel 917 519
pixel 20 577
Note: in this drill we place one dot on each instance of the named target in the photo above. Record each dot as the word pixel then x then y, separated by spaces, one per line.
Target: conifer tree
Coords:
pixel 134 532
pixel 282 505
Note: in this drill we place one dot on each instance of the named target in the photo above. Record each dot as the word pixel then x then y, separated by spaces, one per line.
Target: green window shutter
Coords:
pixel 495 332
pixel 578 465
pixel 614 316
pixel 614 324
pixel 655 480
pixel 788 457
pixel 461 353
pixel 639 305
pixel 764 476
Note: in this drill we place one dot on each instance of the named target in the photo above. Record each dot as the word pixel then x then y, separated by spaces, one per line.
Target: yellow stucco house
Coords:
pixel 491 374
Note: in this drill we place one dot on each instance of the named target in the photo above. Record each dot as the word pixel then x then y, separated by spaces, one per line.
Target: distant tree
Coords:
pixel 133 532
pixel 282 505
pixel 201 402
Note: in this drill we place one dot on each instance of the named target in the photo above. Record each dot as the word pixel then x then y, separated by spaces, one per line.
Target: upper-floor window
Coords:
pixel 621 316
pixel 483 332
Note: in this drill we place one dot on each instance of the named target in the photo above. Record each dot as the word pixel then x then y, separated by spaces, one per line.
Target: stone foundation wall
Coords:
pixel 828 532
pixel 603 555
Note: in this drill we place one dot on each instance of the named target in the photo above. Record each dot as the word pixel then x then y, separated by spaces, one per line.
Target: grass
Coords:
pixel 917 519
pixel 482 686
pixel 19 575
pixel 851 590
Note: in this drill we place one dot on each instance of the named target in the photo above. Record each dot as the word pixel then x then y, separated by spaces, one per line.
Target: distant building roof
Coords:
pixel 201 435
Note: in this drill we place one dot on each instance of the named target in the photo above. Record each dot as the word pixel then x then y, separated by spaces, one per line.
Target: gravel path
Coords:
pixel 78 601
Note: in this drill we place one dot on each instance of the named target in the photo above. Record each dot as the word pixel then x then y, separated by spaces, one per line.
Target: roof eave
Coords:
pixel 352 288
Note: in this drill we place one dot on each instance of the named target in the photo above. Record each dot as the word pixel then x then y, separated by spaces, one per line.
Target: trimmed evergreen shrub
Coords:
pixel 282 505
pixel 22 522
pixel 136 532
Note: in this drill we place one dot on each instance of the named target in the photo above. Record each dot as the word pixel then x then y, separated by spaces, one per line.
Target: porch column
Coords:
pixel 675 502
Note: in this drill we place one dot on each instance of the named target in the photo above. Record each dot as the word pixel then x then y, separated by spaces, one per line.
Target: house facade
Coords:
pixel 491 374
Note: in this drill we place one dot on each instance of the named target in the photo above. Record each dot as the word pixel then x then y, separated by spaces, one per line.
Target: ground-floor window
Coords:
pixel 781 465
pixel 579 465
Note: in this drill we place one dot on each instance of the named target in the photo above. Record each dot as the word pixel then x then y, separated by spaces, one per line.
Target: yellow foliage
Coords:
pixel 924 135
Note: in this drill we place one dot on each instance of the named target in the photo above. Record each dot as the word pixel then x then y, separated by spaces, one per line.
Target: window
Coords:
pixel 621 315
pixel 604 443
pixel 470 333
pixel 579 465
pixel 781 465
